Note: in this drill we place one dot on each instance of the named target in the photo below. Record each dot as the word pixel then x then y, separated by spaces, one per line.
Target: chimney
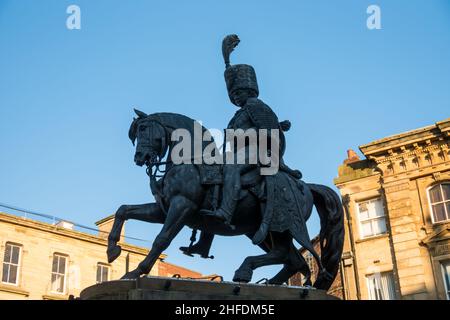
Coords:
pixel 352 156
pixel 105 225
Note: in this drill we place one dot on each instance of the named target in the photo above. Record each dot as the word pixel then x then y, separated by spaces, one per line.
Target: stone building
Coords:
pixel 336 288
pixel 397 207
pixel 53 261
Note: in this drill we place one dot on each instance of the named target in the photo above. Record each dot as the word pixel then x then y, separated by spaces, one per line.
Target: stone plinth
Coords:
pixel 161 288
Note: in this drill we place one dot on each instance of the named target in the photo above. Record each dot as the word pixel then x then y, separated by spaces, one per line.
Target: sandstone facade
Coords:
pixel 31 250
pixel 397 205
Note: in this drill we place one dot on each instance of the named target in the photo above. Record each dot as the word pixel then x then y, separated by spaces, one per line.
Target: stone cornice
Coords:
pixel 405 153
pixel 438 233
pixel 411 142
pixel 410 154
pixel 438 242
pixel 411 151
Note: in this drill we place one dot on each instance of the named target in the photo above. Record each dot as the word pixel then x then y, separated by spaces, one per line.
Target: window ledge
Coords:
pixel 440 223
pixel 13 289
pixel 378 236
pixel 433 227
pixel 55 296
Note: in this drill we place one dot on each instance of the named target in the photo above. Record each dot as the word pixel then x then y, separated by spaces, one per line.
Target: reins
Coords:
pixel 157 170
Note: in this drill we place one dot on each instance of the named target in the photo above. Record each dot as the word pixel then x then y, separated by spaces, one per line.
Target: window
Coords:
pixel 372 220
pixel 309 259
pixel 446 275
pixel 102 273
pixel 439 196
pixel 11 263
pixel 59 273
pixel 381 286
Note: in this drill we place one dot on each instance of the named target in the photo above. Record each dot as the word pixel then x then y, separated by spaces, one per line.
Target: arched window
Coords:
pixel 439 196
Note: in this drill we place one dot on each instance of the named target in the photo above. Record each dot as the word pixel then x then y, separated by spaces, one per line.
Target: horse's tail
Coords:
pixel 329 207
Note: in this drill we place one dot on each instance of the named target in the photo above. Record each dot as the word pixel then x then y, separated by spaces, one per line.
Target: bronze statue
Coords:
pixel 243 91
pixel 232 199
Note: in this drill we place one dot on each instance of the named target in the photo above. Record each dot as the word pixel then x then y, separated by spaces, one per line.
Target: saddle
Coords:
pixel 211 176
pixel 279 195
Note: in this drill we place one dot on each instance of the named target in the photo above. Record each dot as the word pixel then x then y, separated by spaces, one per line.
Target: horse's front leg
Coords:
pixel 149 212
pixel 180 208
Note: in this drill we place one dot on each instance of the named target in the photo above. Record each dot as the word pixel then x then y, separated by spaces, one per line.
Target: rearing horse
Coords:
pixel 180 195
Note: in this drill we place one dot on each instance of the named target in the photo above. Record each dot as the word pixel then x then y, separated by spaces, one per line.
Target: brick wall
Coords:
pixel 336 288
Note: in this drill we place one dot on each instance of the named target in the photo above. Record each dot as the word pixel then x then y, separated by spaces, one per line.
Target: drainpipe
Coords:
pixel 345 202
pixel 127 262
pixel 344 283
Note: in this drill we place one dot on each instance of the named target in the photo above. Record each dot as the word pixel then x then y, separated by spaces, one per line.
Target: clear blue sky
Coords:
pixel 66 97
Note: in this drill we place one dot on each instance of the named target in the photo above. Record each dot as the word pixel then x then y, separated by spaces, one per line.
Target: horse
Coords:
pixel 180 195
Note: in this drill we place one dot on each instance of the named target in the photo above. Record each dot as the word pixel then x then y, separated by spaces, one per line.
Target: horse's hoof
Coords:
pixel 242 276
pixel 237 279
pixel 113 253
pixel 132 275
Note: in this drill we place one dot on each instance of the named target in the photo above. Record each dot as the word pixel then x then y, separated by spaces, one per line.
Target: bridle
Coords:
pixel 158 173
pixel 156 164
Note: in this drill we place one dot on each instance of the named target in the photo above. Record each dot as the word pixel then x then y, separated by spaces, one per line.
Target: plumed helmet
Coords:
pixel 238 76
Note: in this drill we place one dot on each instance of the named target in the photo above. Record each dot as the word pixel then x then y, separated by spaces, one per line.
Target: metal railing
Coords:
pixel 54 220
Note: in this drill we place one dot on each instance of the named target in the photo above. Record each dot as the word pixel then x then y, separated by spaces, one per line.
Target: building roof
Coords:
pixel 391 149
pixel 104 219
pixel 441 128
pixel 83 236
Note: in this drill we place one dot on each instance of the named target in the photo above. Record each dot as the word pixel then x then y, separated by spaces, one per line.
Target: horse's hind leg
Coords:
pixel 296 264
pixel 278 254
pixel 149 212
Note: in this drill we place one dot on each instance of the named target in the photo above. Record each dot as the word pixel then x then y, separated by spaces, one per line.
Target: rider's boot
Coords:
pixel 230 196
pixel 202 247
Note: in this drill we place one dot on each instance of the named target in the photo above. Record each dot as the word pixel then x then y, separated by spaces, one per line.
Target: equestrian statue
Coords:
pixel 231 198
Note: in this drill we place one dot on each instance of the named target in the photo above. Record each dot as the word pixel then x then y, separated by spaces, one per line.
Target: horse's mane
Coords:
pixel 175 121
pixel 171 121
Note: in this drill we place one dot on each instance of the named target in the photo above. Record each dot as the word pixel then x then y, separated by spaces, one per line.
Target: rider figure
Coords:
pixel 253 114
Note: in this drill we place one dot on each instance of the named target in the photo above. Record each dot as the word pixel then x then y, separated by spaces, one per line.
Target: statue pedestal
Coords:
pixel 162 288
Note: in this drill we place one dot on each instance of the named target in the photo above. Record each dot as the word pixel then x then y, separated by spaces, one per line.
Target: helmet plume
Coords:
pixel 228 44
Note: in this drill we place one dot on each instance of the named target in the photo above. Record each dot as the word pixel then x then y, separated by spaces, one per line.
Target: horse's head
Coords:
pixel 151 137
